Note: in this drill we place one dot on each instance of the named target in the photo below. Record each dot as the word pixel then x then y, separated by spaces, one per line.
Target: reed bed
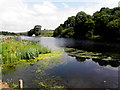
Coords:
pixel 15 50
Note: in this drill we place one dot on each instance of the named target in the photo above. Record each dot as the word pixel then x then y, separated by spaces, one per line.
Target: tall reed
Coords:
pixel 13 50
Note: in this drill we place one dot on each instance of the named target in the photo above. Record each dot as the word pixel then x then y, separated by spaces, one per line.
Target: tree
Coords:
pixel 63 29
pixel 114 29
pixel 70 22
pixel 80 19
pixel 102 18
pixel 89 26
pixel 58 31
pixel 36 30
pixel 104 24
pixel 68 32
pixel 101 25
pixel 31 32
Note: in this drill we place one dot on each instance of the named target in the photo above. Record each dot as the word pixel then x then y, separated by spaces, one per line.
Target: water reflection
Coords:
pixel 80 59
pixel 83 68
pixel 105 63
pixel 100 58
pixel 100 62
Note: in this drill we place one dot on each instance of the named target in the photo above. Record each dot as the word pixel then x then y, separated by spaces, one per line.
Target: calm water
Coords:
pixel 74 72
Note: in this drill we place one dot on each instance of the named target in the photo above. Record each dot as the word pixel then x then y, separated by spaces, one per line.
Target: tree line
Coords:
pixel 103 24
pixel 7 33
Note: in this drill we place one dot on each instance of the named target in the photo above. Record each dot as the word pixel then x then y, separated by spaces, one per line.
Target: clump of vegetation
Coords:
pixel 101 58
pixel 103 25
pixel 7 33
pixel 15 50
pixel 47 33
pixel 44 61
pixel 13 85
pixel 36 30
pixel 90 55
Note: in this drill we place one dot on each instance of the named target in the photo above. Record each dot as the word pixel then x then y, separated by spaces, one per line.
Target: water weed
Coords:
pixel 15 50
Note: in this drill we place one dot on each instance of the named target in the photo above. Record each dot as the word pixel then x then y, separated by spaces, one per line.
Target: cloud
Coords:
pixel 20 16
pixel 17 17
pixel 65 5
pixel 45 8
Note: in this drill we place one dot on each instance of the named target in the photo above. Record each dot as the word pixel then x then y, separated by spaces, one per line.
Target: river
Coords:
pixel 74 72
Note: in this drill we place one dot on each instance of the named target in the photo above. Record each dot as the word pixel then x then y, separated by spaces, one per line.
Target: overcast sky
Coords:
pixel 23 15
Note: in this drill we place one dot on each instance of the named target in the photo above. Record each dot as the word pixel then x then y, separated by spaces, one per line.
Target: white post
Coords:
pixel 20 83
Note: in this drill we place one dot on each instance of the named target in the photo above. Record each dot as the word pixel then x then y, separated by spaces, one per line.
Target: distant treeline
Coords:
pixel 12 33
pixel 7 33
pixel 45 33
pixel 103 24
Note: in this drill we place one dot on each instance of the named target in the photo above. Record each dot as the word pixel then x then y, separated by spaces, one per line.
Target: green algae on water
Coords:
pixel 88 55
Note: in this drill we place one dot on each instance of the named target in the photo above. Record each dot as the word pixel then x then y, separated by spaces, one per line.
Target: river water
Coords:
pixel 74 72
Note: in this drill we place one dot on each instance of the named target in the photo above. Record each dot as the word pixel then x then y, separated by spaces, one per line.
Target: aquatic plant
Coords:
pixel 15 50
pixel 43 62
pixel 13 85
pixel 89 55
pixel 103 59
pixel 48 61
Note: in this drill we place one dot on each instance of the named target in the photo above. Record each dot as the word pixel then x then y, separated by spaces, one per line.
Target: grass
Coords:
pixel 44 61
pixel 15 50
pixel 47 33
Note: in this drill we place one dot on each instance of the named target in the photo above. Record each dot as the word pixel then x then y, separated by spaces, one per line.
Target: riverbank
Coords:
pixel 16 52
pixel 14 49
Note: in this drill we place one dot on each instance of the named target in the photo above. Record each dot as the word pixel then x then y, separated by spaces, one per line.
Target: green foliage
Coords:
pixel 114 28
pixel 47 33
pixel 66 29
pixel 103 24
pixel 102 18
pixel 68 32
pixel 7 33
pixel 22 34
pixel 70 22
pixel 12 85
pixel 102 58
pixel 13 51
pixel 36 31
pixel 80 30
pixel 58 31
pixel 31 32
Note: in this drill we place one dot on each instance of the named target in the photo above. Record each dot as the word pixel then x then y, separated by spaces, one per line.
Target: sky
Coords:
pixel 23 15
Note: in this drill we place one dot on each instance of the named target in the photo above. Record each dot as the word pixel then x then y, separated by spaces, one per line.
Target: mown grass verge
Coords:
pixel 14 50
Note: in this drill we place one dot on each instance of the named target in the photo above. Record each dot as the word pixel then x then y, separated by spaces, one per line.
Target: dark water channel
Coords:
pixel 74 72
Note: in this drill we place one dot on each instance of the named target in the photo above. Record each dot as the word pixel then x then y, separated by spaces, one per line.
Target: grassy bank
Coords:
pixel 47 33
pixel 14 50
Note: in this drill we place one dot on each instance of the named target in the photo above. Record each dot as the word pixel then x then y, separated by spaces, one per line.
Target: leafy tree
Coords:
pixel 63 28
pixel 102 18
pixel 103 24
pixel 68 32
pixel 80 30
pixel 31 32
pixel 114 29
pixel 58 31
pixel 89 26
pixel 36 31
pixel 70 22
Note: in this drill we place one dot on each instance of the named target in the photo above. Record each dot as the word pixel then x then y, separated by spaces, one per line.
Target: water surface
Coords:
pixel 74 72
